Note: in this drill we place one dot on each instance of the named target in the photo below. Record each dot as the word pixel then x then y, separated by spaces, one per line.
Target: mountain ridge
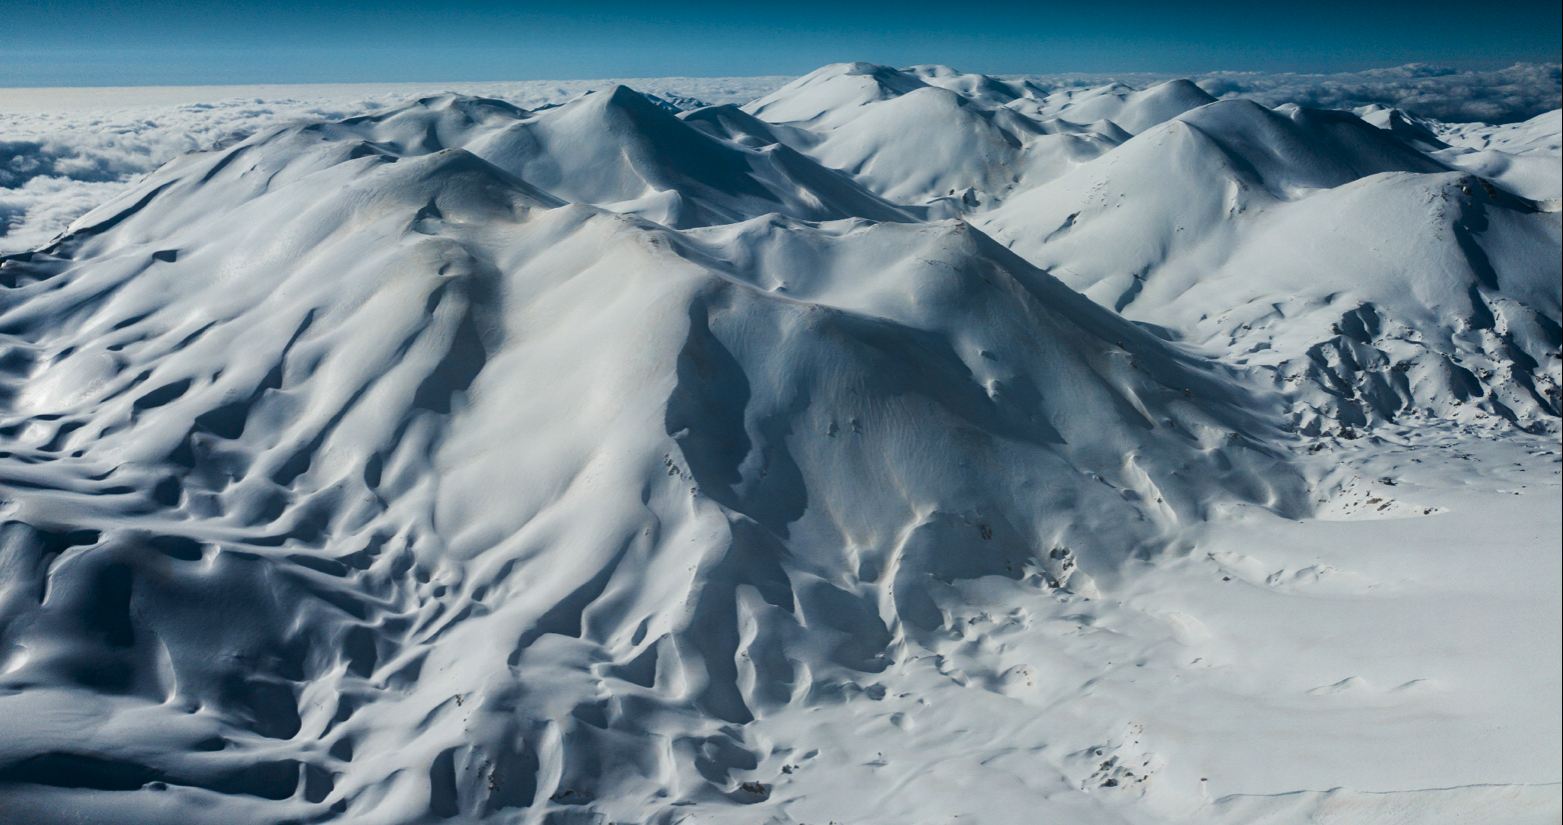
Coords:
pixel 466 462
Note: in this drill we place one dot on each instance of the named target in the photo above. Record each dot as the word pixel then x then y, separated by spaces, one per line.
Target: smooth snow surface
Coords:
pixel 900 446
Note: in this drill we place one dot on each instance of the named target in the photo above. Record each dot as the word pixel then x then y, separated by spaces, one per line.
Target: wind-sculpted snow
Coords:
pixel 65 151
pixel 1374 280
pixel 992 139
pixel 371 478
pixel 901 445
pixel 617 149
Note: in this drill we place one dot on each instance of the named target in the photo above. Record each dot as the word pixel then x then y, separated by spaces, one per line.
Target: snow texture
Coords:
pixel 882 446
pixel 64 151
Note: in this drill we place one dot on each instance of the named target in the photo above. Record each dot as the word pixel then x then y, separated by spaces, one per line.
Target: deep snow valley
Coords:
pixel 896 446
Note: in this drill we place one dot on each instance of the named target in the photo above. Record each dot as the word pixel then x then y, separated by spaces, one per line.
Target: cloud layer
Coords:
pixel 56 167
pixel 1517 93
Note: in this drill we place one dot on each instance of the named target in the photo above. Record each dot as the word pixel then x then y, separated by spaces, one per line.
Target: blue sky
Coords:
pixel 175 42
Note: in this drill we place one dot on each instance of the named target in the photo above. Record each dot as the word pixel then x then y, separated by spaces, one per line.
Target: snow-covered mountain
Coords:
pixel 1206 223
pixel 1375 280
pixel 930 135
pixel 599 464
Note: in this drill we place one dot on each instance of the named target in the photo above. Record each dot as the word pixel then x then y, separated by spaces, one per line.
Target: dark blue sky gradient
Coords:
pixel 78 43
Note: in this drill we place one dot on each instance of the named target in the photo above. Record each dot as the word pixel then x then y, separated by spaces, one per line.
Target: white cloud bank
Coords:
pixel 56 166
pixel 1517 93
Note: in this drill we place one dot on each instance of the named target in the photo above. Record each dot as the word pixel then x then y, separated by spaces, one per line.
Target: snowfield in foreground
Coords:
pixel 888 446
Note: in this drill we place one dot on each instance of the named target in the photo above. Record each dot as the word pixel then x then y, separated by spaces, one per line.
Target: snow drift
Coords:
pixel 337 429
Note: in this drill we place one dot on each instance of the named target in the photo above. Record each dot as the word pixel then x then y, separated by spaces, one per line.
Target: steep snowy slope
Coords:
pixel 932 135
pixel 616 148
pixel 1418 133
pixel 1133 110
pixel 348 473
pixel 1383 282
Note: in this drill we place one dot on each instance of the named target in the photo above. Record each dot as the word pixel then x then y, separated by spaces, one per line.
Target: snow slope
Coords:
pixel 1372 278
pixel 1522 157
pixel 932 135
pixel 617 148
pixel 592 463
pixel 65 151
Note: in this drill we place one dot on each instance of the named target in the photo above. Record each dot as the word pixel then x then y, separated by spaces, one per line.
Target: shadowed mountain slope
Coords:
pixel 376 481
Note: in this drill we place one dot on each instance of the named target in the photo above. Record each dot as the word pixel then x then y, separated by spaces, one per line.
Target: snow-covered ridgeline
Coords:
pixel 64 151
pixel 467 460
pixel 1365 271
